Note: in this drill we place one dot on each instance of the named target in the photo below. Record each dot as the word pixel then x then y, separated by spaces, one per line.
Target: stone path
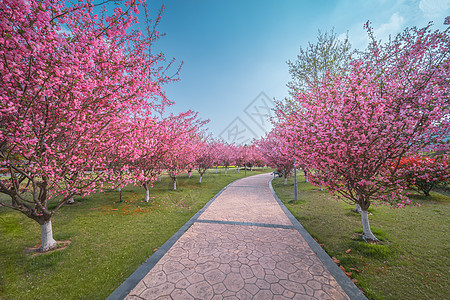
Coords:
pixel 244 245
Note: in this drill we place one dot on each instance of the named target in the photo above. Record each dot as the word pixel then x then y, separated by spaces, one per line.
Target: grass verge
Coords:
pixel 411 262
pixel 108 239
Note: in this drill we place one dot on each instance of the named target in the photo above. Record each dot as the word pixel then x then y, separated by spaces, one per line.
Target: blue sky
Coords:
pixel 235 50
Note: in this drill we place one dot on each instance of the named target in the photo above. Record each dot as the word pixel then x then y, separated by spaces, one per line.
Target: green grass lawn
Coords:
pixel 109 240
pixel 412 262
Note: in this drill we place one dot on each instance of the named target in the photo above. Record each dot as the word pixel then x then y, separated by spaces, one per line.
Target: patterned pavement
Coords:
pixel 243 246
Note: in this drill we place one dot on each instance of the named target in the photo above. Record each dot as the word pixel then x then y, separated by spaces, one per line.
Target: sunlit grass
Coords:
pixel 109 240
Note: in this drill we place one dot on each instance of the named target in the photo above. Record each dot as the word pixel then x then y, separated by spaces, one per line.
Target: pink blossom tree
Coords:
pixel 226 153
pixel 253 156
pixel 120 158
pixel 393 101
pixel 239 157
pixel 216 146
pixel 276 154
pixel 71 82
pixel 151 137
pixel 205 157
pixel 182 144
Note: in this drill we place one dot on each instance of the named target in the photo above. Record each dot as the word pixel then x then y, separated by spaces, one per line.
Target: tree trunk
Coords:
pixel 226 172
pixel 190 174
pixel 48 243
pixel 159 178
pixel 200 180
pixel 120 194
pixel 367 233
pixel 285 180
pixel 147 192
pixel 239 169
pixel 321 188
pixel 174 184
pixel 306 175
pixel 216 170
pixel 357 209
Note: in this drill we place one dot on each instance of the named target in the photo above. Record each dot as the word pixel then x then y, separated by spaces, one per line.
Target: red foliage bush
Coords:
pixel 424 172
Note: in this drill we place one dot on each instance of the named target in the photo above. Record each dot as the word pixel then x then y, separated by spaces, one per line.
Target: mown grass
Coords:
pixel 109 240
pixel 412 260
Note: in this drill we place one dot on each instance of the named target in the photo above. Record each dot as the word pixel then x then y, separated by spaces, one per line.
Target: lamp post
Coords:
pixel 245 159
pixel 295 177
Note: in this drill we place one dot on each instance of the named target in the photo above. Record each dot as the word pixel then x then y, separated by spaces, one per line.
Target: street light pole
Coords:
pixel 295 177
pixel 245 160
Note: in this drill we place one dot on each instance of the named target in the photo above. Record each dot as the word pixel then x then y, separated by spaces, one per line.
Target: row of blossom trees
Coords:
pixel 219 153
pixel 276 153
pixel 75 87
pixel 352 128
pixel 80 107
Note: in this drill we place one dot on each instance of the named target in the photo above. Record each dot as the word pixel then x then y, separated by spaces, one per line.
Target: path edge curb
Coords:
pixel 347 285
pixel 130 283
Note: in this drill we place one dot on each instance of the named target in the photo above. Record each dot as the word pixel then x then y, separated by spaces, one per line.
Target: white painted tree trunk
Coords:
pixel 48 243
pixel 239 169
pixel 226 172
pixel 358 209
pixel 367 233
pixel 200 180
pixel 159 178
pixel 147 195
pixel 120 193
pixel 321 188
pixel 174 185
pixel 285 181
pixel 190 174
pixel 70 201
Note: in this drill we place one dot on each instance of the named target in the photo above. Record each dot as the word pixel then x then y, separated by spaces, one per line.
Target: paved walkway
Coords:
pixel 243 245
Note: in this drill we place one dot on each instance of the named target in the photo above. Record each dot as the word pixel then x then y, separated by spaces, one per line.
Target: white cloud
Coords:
pixel 65 30
pixel 358 36
pixel 343 36
pixel 434 8
pixel 394 26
